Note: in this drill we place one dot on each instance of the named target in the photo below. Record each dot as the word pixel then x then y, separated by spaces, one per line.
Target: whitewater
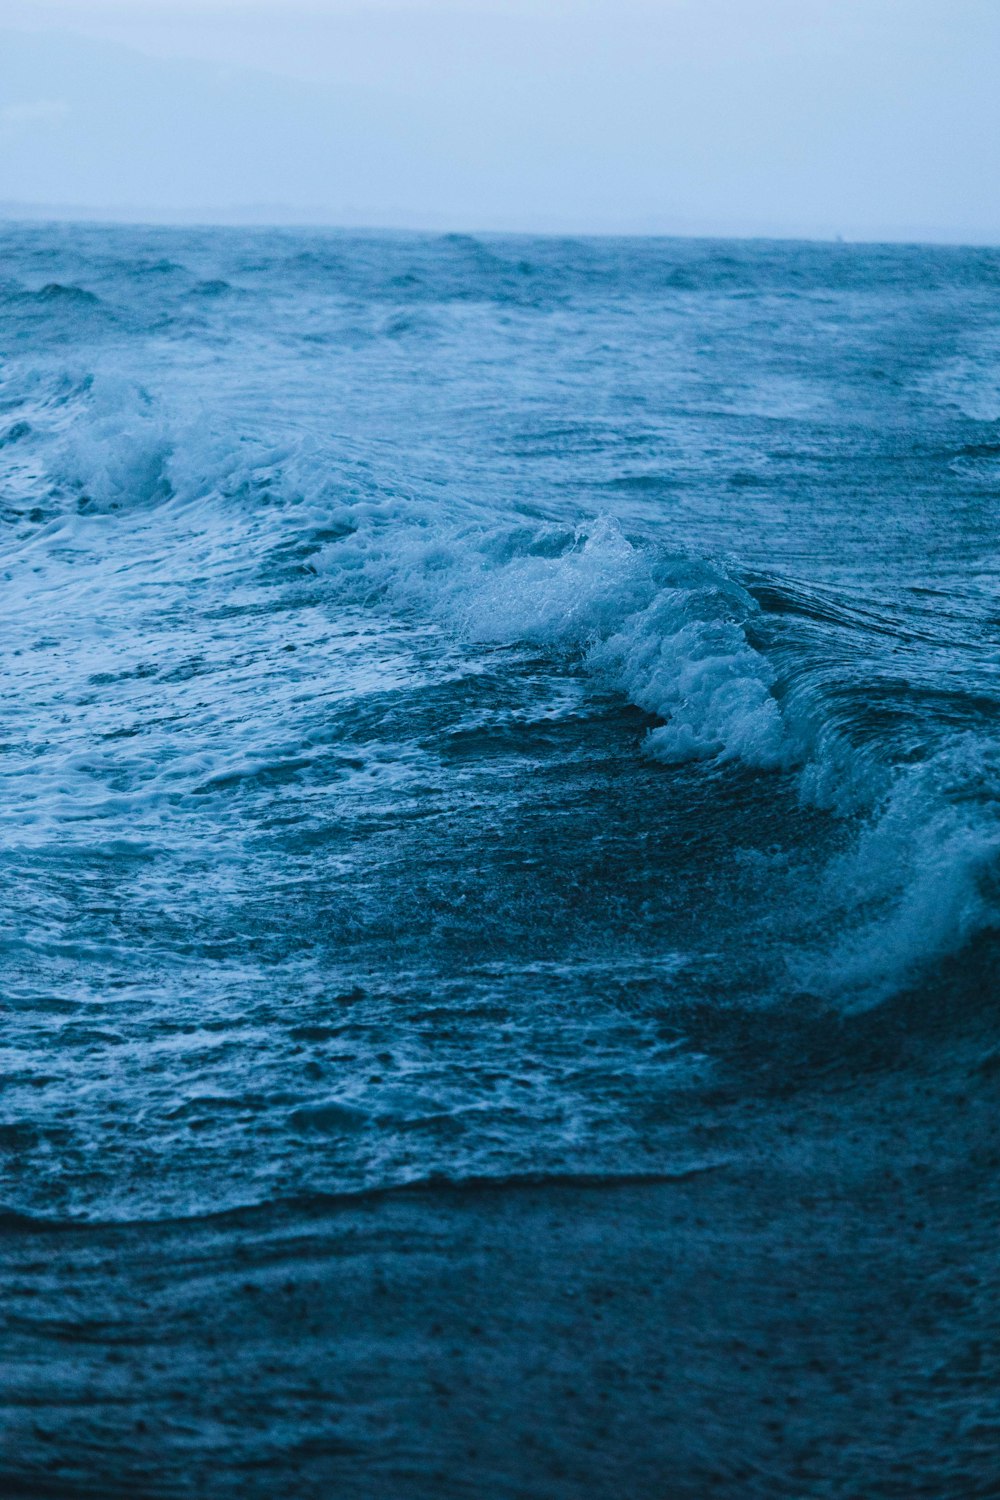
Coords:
pixel 488 710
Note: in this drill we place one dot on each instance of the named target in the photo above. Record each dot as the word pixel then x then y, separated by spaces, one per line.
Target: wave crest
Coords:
pixel 684 639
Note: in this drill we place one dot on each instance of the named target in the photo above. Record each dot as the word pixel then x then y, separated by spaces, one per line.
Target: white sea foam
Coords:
pixel 669 633
pixel 672 634
pixel 112 446
pixel 922 878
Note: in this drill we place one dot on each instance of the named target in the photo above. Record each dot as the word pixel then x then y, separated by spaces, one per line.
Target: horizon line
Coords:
pixel 281 216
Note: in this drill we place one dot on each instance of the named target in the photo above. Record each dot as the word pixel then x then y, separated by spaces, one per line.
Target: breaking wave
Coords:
pixel 460 696
pixel 732 667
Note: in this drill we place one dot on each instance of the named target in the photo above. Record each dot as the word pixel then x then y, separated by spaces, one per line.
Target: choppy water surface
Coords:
pixel 456 691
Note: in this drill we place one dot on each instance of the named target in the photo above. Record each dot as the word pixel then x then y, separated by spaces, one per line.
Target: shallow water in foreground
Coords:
pixel 517 714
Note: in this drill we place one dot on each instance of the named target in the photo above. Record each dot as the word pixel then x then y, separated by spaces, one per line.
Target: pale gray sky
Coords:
pixel 867 118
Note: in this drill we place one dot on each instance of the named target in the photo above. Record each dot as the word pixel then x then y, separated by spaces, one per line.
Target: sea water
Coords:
pixel 460 695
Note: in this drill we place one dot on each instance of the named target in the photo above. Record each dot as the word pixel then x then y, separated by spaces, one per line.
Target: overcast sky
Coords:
pixel 866 118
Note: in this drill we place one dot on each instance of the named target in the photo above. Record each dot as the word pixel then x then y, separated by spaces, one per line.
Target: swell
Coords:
pixel 696 644
pixel 840 693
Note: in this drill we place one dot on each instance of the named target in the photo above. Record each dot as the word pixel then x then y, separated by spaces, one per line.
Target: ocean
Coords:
pixel 500 852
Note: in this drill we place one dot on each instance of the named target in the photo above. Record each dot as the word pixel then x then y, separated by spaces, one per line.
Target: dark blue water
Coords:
pixel 488 709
